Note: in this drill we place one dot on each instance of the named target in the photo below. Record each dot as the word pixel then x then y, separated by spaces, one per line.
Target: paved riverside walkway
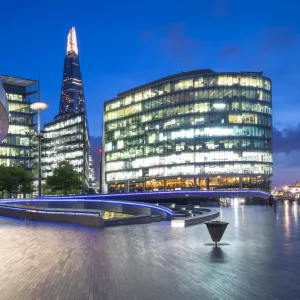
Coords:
pixel 259 259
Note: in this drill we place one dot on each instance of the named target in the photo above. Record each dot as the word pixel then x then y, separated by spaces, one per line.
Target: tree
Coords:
pixel 65 180
pixel 3 177
pixel 91 191
pixel 15 180
pixel 25 180
pixel 268 185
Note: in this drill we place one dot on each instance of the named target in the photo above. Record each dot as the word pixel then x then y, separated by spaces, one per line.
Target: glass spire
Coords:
pixel 72 96
pixel 72 42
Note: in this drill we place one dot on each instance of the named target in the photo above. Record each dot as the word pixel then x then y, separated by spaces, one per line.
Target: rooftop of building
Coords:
pixel 17 81
pixel 186 75
pixel 60 118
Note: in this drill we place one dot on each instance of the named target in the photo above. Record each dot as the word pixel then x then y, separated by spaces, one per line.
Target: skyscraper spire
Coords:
pixel 72 96
pixel 72 42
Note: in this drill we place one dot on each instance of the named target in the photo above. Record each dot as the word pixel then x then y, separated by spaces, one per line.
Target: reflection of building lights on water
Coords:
pixel 232 201
pixel 236 215
pixel 237 201
pixel 287 228
pixel 295 210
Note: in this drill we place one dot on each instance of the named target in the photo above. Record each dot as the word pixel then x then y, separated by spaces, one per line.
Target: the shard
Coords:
pixel 72 96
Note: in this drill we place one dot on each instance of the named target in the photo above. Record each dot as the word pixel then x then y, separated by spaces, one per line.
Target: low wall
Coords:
pixel 155 218
pixel 202 197
pixel 212 214
pixel 67 203
pixel 142 219
pixel 209 204
pixel 86 219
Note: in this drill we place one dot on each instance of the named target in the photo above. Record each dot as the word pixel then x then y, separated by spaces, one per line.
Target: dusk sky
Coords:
pixel 123 44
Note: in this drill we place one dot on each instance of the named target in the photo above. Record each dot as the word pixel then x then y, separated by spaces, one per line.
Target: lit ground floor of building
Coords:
pixel 178 183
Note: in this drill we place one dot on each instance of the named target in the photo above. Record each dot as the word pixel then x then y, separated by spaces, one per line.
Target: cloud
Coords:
pixel 278 38
pixel 177 43
pixel 285 169
pixel 173 43
pixel 229 51
pixel 287 140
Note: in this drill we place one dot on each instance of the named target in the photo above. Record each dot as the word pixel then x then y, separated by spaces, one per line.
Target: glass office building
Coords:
pixel 4 122
pixel 66 139
pixel 18 147
pixel 193 130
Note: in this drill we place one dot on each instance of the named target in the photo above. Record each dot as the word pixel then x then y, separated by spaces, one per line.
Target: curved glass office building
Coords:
pixel 193 130
pixel 3 113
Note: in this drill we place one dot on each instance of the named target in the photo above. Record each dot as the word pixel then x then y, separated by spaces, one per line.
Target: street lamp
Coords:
pixel 39 106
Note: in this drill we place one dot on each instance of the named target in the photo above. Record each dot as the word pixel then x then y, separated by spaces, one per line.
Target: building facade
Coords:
pixel 4 122
pixel 67 136
pixel 18 147
pixel 66 139
pixel 193 130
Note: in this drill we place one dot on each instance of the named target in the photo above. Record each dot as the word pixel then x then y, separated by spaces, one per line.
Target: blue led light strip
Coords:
pixel 49 211
pixel 67 199
pixel 162 193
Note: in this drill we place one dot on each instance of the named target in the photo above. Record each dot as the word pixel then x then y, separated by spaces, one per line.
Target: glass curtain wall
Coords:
pixel 185 130
pixel 66 140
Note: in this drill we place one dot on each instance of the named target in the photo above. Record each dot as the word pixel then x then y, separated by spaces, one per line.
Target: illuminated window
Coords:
pixel 183 85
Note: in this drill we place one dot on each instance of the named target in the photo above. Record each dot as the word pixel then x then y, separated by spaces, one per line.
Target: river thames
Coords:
pixel 258 258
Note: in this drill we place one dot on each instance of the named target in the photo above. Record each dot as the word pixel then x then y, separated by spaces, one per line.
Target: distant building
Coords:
pixel 193 130
pixel 294 189
pixel 18 147
pixel 67 136
pixel 96 152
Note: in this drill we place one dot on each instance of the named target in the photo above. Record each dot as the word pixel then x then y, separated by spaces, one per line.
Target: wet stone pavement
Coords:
pixel 259 258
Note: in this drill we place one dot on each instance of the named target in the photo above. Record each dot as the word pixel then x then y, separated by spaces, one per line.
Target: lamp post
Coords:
pixel 39 106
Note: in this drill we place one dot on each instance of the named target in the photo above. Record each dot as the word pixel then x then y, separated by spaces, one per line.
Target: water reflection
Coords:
pixel 236 212
pixel 243 211
pixel 286 220
pixel 111 215
pixel 217 255
pixel 295 211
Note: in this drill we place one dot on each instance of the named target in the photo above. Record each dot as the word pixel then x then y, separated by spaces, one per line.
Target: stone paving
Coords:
pixel 259 258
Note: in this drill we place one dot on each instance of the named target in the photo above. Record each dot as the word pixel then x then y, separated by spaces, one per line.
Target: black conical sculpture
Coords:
pixel 216 230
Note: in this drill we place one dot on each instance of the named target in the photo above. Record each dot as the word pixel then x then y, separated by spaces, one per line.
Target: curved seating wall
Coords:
pixel 126 207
